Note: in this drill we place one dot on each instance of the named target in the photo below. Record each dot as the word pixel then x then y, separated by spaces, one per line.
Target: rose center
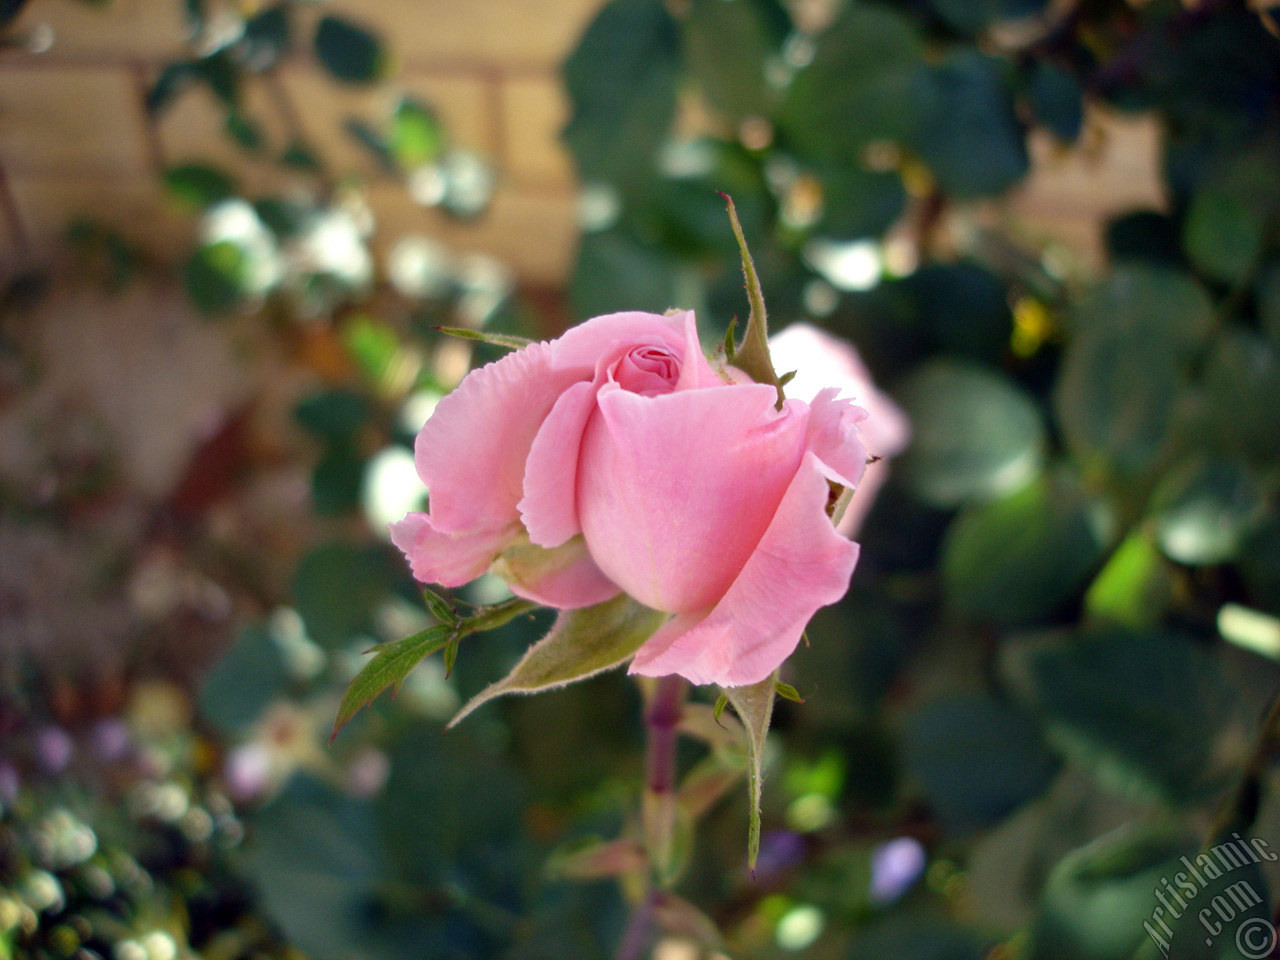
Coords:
pixel 648 371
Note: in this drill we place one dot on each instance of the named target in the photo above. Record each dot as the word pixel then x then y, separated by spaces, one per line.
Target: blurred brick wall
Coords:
pixel 75 140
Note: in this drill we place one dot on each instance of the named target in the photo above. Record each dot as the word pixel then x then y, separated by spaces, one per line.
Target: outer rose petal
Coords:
pixel 834 437
pixel 448 559
pixel 675 491
pixel 801 564
pixel 581 347
pixel 565 578
pixel 550 505
pixel 471 453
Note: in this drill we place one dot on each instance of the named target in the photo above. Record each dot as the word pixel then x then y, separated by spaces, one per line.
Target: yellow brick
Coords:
pixel 71 120
pixel 122 28
pixel 135 206
pixel 462 102
pixel 504 34
pixel 534 111
pixel 534 233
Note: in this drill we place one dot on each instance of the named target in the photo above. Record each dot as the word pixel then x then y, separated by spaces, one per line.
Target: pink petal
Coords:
pixel 550 507
pixel 448 559
pixel 565 578
pixel 801 564
pixel 581 347
pixel 471 453
pixel 833 436
pixel 675 491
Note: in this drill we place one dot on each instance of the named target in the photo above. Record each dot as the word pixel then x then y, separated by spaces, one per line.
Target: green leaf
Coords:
pixel 372 142
pixel 244 130
pixel 1134 587
pixel 241 685
pixel 349 52
pixel 197 185
pixel 754 707
pixel 581 644
pixel 975 16
pixel 1223 234
pixel 597 859
pixel 866 83
pixel 336 416
pixel 704 785
pixel 266 37
pixel 621 80
pixel 1148 302
pixel 1116 399
pixel 976 759
pixel 392 662
pixel 1269 302
pixel 722 701
pixel 337 480
pixel 337 589
pixel 752 357
pixel 1242 369
pixel 510 341
pixel 416 134
pixel 1020 559
pixel 9 10
pixel 616 271
pixel 1203 511
pixel 976 435
pixel 787 692
pixel 859 203
pixel 214 277
pixel 1150 714
pixel 727 46
pixel 1057 99
pixel 174 78
pixel 438 606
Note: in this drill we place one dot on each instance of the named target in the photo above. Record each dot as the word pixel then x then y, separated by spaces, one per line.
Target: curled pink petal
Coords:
pixel 834 437
pixel 448 559
pixel 549 507
pixel 801 564
pixel 471 453
pixel 580 348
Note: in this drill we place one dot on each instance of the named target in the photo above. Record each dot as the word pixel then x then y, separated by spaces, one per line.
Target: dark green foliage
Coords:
pixel 348 51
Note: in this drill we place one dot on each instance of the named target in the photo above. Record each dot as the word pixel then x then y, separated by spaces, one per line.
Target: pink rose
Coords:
pixel 821 361
pixel 617 458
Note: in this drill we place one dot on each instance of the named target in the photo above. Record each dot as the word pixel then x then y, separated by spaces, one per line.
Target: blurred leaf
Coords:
pixel 300 157
pixel 859 203
pixel 704 785
pixel 334 415
pixel 1148 302
pixel 1134 587
pixel 1203 510
pixel 1223 234
pixel 197 185
pixel 1020 559
pixel 372 142
pixel 392 662
pixel 416 134
pixel 680 918
pixel 220 75
pixel 337 588
pixel 915 935
pixel 866 82
pixel 349 52
pixel 244 130
pixel 621 80
pixel 337 480
pixel 754 707
pixel 1098 897
pixel 976 435
pixel 174 77
pixel 1242 370
pixel 1259 563
pixel 1116 398
pixel 1143 711
pixel 320 872
pixel 266 37
pixel 976 759
pixel 727 45
pixel 597 859
pixel 614 271
pixel 964 308
pixel 975 16
pixel 285 217
pixel 581 644
pixel 248 677
pixel 214 277
pixel 9 10
pixel 1269 302
pixel 372 344
pixel 970 134
pixel 1057 99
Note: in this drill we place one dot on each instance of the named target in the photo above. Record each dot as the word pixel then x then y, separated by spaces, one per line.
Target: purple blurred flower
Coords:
pixel 111 739
pixel 53 749
pixel 895 866
pixel 780 851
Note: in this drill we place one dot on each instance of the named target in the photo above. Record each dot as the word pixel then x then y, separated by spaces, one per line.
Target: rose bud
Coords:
pixel 617 458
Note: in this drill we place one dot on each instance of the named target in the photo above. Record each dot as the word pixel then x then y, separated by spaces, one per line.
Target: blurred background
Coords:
pixel 228 232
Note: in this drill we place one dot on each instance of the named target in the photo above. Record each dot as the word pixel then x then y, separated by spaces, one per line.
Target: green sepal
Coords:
pixel 752 358
pixel 510 341
pixel 754 706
